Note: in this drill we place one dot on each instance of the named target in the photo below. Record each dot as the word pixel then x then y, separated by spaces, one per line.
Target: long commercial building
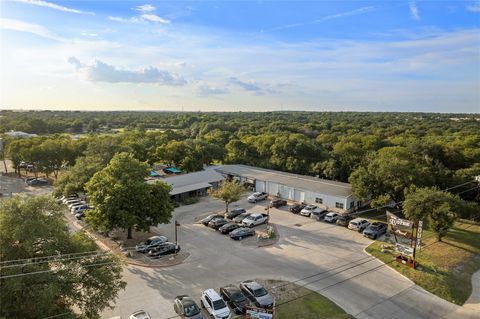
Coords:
pixel 331 195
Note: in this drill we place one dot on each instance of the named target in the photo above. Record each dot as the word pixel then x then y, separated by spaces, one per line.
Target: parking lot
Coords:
pixel 324 257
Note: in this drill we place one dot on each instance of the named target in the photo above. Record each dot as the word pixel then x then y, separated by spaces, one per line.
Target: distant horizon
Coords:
pixel 200 111
pixel 375 56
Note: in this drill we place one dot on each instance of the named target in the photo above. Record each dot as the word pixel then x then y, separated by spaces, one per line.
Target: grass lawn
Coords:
pixel 446 267
pixel 306 303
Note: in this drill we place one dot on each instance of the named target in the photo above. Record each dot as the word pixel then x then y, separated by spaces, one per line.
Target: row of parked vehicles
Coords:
pixel 225 304
pixel 362 225
pixel 76 205
pixel 237 223
pixel 230 300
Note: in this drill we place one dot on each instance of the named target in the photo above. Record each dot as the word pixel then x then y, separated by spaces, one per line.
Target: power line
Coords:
pixel 53 270
pixel 99 254
pixel 51 256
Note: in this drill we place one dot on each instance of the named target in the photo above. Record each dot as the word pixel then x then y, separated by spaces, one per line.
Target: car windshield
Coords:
pixel 148 241
pixel 238 297
pixel 218 304
pixel 260 292
pixel 191 310
pixel 353 223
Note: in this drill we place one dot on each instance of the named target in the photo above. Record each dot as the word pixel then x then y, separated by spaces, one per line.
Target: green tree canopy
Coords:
pixel 435 207
pixel 387 173
pixel 34 228
pixel 229 192
pixel 123 199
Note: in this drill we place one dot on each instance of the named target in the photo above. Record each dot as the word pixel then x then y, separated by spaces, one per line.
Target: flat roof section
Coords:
pixel 302 182
pixel 191 181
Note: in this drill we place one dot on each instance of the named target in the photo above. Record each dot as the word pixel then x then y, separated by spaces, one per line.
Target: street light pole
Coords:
pixel 176 238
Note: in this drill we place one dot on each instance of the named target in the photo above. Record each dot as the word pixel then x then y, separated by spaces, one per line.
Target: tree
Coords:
pixel 34 227
pixel 123 199
pixel 229 192
pixel 386 174
pixel 435 207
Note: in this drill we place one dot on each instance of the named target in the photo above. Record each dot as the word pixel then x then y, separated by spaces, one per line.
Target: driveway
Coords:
pixel 323 257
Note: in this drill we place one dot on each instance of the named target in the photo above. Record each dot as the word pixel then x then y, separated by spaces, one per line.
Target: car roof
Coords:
pixel 212 294
pixel 156 237
pixel 332 213
pixel 252 284
pixel 358 219
pixel 255 214
pixel 230 288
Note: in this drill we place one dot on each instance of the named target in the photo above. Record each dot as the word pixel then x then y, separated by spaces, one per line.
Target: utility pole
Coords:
pixel 176 235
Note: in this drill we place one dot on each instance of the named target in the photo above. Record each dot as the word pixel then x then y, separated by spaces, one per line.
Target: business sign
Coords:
pixel 400 226
pixel 419 234
pixel 404 249
pixel 259 313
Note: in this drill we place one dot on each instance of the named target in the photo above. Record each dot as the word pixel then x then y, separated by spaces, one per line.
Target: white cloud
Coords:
pixel 208 90
pixel 414 13
pixel 99 71
pixel 17 25
pixel 246 85
pixel 51 5
pixel 154 18
pixel 358 11
pixel 474 7
pixel 145 8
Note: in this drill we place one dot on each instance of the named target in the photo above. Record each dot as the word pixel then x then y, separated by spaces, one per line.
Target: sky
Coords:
pixel 402 56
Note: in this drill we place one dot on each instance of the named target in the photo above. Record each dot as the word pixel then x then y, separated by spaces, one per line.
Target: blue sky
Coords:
pixel 241 55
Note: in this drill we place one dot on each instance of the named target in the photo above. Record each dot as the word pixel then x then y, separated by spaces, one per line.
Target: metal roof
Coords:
pixel 302 182
pixel 191 181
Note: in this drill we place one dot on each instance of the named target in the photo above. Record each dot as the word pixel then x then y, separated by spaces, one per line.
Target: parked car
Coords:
pixel 215 305
pixel 241 217
pixel 296 208
pixel 80 215
pixel 309 209
pixel 140 314
pixel 255 219
pixel 37 182
pixel 22 165
pixel 257 196
pixel 209 218
pixel 164 249
pixel 76 203
pixel 278 203
pixel 344 220
pixel 227 228
pixel 29 178
pixel 358 224
pixel 216 223
pixel 375 230
pixel 257 294
pixel 78 208
pixel 150 243
pixel 69 198
pixel 331 217
pixel 241 233
pixel 319 215
pixel 186 307
pixel 235 299
pixel 234 213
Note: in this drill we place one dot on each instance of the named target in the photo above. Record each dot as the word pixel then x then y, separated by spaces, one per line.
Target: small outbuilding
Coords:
pixel 192 184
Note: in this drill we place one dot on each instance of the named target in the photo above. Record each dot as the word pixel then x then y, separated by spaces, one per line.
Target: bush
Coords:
pixel 190 200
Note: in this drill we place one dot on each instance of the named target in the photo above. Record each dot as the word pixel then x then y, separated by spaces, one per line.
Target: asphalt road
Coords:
pixel 323 257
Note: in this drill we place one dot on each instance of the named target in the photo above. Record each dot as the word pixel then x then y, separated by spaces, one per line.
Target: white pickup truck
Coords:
pixel 255 219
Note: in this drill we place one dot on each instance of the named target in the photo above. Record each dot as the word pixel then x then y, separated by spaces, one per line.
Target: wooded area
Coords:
pixel 380 154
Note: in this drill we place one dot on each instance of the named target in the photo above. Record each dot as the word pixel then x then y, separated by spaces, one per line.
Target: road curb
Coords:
pixel 410 280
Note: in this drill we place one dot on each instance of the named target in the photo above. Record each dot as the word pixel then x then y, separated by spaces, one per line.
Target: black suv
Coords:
pixel 296 208
pixel 234 213
pixel 235 299
pixel 278 203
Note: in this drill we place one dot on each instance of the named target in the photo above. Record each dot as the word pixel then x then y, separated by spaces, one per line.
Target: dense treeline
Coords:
pixel 381 154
